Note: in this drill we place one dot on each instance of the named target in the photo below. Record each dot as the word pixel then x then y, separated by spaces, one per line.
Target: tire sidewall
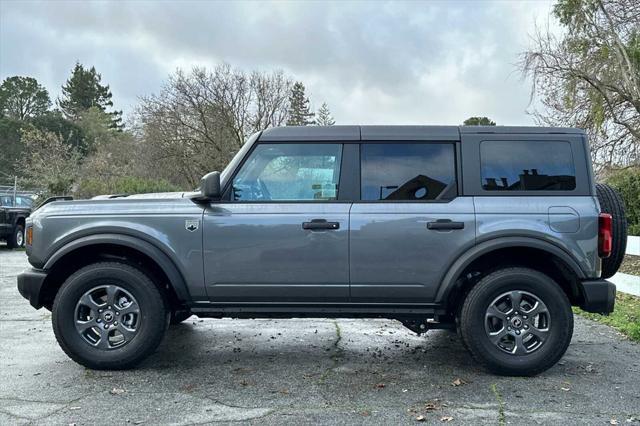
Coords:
pixel 19 232
pixel 153 316
pixel 178 317
pixel 561 323
pixel 611 202
pixel 12 240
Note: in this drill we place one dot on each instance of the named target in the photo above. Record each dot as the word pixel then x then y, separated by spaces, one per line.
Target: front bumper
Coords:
pixel 599 296
pixel 30 283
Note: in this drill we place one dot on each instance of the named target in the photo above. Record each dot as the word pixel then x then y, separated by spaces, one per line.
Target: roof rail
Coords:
pixel 57 198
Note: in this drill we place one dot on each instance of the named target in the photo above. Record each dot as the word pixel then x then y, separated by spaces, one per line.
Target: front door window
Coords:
pixel 289 172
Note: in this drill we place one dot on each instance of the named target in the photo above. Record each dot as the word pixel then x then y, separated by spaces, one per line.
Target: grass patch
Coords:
pixel 630 265
pixel 625 317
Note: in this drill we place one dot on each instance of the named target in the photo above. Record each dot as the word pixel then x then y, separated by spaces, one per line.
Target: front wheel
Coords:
pixel 517 322
pixel 109 315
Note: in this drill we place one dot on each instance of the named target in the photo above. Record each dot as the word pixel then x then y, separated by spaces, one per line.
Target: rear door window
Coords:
pixel 408 171
pixel 527 166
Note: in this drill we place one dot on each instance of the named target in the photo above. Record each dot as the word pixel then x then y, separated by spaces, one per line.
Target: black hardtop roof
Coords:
pixel 355 133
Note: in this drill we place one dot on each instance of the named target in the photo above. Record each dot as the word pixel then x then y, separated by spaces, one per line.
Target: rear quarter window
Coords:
pixel 527 166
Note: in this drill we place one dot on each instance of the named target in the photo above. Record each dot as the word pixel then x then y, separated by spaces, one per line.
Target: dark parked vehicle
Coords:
pixel 13 214
pixel 493 231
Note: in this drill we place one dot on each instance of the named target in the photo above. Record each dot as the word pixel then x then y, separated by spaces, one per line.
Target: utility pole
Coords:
pixel 15 189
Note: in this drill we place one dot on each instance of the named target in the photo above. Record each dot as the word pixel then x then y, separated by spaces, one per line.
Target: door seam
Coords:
pixel 349 251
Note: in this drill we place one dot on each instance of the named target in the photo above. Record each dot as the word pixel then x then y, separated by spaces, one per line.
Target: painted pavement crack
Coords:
pixel 338 353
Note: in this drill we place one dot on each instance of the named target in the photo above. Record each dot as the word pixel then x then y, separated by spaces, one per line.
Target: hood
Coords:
pixel 156 203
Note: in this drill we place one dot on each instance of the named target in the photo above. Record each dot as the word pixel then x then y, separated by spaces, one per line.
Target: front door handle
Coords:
pixel 444 225
pixel 320 224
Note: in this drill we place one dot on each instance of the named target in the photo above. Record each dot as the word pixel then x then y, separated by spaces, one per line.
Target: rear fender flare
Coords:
pixel 448 283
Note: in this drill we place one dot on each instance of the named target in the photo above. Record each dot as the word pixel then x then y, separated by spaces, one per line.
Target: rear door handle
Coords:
pixel 444 225
pixel 320 224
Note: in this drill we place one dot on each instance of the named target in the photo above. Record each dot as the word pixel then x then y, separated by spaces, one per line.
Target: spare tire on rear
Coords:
pixel 611 202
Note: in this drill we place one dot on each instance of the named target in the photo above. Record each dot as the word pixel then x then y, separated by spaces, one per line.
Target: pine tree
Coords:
pixel 83 91
pixel 324 116
pixel 299 113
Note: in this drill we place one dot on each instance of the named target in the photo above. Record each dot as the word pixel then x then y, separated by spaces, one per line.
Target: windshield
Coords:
pixel 237 158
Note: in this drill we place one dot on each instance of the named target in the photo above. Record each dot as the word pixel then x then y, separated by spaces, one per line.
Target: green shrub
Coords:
pixel 91 187
pixel 626 316
pixel 627 183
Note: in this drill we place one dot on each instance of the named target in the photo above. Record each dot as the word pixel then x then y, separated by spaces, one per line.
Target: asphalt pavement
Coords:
pixel 303 371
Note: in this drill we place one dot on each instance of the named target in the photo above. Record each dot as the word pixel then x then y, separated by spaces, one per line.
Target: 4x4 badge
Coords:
pixel 191 225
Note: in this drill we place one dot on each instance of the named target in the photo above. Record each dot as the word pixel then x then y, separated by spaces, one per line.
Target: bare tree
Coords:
pixel 271 100
pixel 590 76
pixel 201 119
pixel 50 163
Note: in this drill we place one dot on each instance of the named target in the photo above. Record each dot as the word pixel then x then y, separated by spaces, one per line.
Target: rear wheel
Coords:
pixel 109 316
pixel 517 322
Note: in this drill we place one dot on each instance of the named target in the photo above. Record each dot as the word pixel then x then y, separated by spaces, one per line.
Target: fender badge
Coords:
pixel 191 225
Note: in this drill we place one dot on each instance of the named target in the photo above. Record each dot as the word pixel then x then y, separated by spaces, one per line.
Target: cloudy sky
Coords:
pixel 433 62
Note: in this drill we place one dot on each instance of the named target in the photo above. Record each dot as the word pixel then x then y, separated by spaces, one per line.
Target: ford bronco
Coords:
pixel 491 231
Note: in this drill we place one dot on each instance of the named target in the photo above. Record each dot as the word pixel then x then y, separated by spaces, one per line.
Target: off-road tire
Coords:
pixel 154 316
pixel 611 202
pixel 457 323
pixel 13 239
pixel 472 322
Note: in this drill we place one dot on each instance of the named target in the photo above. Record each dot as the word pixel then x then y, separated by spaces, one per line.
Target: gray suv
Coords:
pixel 492 231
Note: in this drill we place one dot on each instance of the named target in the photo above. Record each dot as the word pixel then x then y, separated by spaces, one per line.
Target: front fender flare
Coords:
pixel 165 263
pixel 448 283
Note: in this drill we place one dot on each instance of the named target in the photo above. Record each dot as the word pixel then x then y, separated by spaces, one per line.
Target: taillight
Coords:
pixel 605 237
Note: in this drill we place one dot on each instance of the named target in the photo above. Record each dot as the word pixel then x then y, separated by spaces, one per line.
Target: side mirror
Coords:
pixel 210 186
